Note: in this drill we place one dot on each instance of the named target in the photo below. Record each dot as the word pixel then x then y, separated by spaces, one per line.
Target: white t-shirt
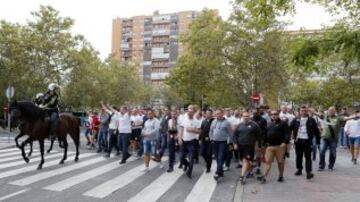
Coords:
pixel 151 127
pixel 352 128
pixel 138 120
pixel 124 123
pixel 302 133
pixel 286 116
pixel 190 123
pixel 114 119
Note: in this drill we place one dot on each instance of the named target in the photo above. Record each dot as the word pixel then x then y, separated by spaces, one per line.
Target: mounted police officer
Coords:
pixel 50 101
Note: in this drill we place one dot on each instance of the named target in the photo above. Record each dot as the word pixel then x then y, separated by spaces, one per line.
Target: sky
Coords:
pixel 93 18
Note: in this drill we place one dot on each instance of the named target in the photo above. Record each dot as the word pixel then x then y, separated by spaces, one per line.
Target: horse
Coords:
pixel 36 123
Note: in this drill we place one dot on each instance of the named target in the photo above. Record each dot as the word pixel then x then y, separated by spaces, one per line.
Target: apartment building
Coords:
pixel 151 43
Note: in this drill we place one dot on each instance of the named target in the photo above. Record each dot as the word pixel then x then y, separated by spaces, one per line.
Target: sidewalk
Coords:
pixel 342 184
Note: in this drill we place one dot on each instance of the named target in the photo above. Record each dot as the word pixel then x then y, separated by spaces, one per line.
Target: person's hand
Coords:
pixel 283 145
pixel 235 146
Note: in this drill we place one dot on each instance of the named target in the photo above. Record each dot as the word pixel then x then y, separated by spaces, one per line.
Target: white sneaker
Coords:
pixel 145 169
pixel 161 166
pixel 226 168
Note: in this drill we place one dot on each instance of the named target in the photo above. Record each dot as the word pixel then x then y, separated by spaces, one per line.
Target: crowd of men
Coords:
pixel 253 138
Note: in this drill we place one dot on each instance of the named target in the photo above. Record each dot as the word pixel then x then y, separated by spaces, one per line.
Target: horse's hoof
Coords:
pixel 39 167
pixel 26 160
pixel 76 159
pixel 48 151
pixel 61 162
pixel 29 154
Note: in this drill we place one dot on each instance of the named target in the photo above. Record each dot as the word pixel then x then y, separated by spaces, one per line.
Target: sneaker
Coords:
pixel 170 170
pixel 331 169
pixel 161 166
pixel 298 173
pixel 226 168
pixel 250 175
pixel 258 171
pixel 188 174
pixel 145 169
pixel 262 179
pixel 122 162
pixel 185 168
pixel 217 178
pixel 281 179
pixel 208 170
pixel 107 155
pixel 309 176
pixel 242 180
pixel 117 153
pixel 321 169
pixel 355 161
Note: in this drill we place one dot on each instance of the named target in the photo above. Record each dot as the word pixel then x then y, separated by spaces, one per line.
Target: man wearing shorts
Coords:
pixel 149 132
pixel 352 130
pixel 277 137
pixel 246 136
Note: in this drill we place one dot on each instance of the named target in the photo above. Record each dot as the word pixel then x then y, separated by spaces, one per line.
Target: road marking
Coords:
pixel 13 153
pixel 77 179
pixel 159 187
pixel 32 167
pixel 204 187
pixel 22 162
pixel 8 150
pixel 14 194
pixel 119 182
pixel 19 157
pixel 59 171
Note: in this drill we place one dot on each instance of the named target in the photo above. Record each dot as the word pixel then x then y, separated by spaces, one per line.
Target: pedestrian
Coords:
pixel 172 137
pixel 88 128
pixel 103 133
pixel 136 126
pixel 246 138
pixel 315 148
pixel 149 133
pixel 125 130
pixel 343 139
pixel 199 117
pixel 162 139
pixel 220 133
pixel 113 126
pixel 330 128
pixel 304 129
pixel 352 131
pixel 95 126
pixel 276 139
pixel 257 118
pixel 189 132
pixel 206 146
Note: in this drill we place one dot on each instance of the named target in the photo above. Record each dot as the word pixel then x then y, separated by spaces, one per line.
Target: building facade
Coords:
pixel 151 43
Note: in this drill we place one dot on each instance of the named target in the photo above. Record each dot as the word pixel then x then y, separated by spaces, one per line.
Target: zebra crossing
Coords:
pixel 96 178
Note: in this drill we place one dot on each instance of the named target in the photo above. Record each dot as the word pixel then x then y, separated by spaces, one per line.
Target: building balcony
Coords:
pixel 161 32
pixel 159 76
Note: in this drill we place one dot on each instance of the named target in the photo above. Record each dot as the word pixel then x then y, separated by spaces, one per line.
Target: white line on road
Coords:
pixel 59 171
pixel 8 150
pixel 157 188
pixel 20 157
pixel 22 162
pixel 32 167
pixel 14 194
pixel 12 153
pixel 204 187
pixel 77 179
pixel 119 182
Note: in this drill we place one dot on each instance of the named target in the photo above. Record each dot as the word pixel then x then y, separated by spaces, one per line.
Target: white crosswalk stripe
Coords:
pixel 59 171
pixel 156 189
pixel 22 162
pixel 29 168
pixel 8 150
pixel 201 192
pixel 14 194
pixel 117 183
pixel 12 153
pixel 72 181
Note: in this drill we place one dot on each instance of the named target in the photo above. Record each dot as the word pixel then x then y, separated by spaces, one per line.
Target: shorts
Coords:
pixel 275 152
pixel 247 152
pixel 148 144
pixel 135 134
pixel 354 141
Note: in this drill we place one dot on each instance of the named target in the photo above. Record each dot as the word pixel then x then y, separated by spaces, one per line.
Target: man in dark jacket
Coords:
pixel 276 139
pixel 206 147
pixel 304 129
pixel 257 118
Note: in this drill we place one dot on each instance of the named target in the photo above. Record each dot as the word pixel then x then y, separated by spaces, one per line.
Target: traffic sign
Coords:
pixel 10 91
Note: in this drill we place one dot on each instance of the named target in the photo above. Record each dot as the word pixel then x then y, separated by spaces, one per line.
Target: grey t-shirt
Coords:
pixel 220 130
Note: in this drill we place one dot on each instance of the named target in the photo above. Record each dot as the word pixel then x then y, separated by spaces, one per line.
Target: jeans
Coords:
pixel 206 152
pixel 113 140
pixel 220 149
pixel 141 146
pixel 102 139
pixel 314 148
pixel 325 144
pixel 303 148
pixel 228 155
pixel 163 143
pixel 188 150
pixel 171 148
pixel 125 140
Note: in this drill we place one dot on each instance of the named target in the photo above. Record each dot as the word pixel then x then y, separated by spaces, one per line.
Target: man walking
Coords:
pixel 189 132
pixel 172 137
pixel 103 133
pixel 352 131
pixel 150 131
pixel 276 139
pixel 206 146
pixel 220 133
pixel 304 129
pixel 245 138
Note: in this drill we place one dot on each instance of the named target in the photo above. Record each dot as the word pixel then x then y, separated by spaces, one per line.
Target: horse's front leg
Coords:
pixel 17 138
pixel 65 150
pixel 41 143
pixel 22 147
pixel 31 149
